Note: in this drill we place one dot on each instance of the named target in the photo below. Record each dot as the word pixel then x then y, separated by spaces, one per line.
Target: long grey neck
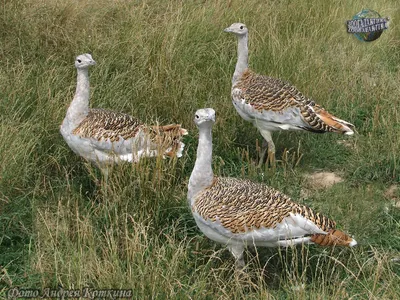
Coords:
pixel 243 57
pixel 79 107
pixel 202 174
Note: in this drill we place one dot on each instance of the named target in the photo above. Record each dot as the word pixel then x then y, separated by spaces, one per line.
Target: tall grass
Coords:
pixel 61 224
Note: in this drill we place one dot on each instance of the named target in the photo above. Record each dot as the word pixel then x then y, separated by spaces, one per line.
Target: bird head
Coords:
pixel 84 61
pixel 204 116
pixel 237 28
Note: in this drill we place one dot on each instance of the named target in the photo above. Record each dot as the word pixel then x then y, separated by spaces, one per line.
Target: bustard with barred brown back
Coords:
pixel 240 213
pixel 273 104
pixel 104 136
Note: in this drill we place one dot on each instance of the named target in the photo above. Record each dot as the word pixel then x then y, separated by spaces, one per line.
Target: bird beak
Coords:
pixel 227 29
pixel 213 117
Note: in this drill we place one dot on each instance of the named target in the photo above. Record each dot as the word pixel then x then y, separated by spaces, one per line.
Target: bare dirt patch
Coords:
pixel 322 180
pixel 319 181
pixel 393 194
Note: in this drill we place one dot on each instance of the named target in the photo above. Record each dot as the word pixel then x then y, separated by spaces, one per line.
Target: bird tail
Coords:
pixel 336 124
pixel 169 138
pixel 333 238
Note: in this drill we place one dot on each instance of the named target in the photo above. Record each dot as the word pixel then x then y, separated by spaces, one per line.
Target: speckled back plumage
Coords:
pixel 106 129
pixel 264 93
pixel 102 125
pixel 242 205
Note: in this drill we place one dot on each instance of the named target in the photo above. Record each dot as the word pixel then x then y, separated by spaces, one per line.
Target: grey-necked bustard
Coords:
pixel 104 136
pixel 273 104
pixel 238 212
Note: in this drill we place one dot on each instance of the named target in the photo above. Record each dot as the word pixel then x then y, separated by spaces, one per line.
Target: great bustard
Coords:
pixel 272 104
pixel 237 212
pixel 104 136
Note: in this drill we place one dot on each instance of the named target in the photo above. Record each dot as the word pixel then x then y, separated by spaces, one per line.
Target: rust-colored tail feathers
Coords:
pixel 333 238
pixel 169 137
pixel 336 124
pixel 176 128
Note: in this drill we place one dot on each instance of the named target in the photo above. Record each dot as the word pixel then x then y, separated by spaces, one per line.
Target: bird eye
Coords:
pixel 79 61
pixel 241 27
pixel 197 116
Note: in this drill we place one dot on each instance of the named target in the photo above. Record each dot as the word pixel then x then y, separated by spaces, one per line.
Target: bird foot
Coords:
pixel 271 159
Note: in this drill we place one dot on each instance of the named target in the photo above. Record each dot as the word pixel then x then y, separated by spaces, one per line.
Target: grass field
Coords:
pixel 60 225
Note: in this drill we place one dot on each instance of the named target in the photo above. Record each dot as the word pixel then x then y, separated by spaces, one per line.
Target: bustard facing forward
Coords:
pixel 237 212
pixel 104 136
pixel 272 104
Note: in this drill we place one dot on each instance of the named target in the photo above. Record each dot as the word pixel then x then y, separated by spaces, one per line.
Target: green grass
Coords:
pixel 61 225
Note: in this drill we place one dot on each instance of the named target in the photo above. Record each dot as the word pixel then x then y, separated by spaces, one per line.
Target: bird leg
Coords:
pixel 267 144
pixel 105 172
pixel 264 149
pixel 237 252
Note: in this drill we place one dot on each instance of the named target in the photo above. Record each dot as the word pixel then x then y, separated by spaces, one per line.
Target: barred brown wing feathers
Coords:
pixel 318 219
pixel 265 93
pixel 101 124
pixel 240 205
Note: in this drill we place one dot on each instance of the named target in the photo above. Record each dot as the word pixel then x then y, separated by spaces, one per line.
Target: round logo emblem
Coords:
pixel 367 25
